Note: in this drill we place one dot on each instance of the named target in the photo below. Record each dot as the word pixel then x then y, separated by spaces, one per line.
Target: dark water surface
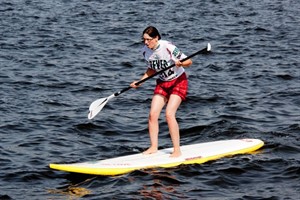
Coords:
pixel 58 56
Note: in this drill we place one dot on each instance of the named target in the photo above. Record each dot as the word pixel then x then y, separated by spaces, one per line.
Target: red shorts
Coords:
pixel 178 86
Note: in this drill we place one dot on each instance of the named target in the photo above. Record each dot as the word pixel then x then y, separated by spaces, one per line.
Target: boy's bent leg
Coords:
pixel 173 104
pixel 158 102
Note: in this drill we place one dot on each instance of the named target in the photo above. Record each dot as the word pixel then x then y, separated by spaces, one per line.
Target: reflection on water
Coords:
pixel 163 186
pixel 73 191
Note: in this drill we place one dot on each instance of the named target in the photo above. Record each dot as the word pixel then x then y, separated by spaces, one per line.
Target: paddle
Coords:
pixel 98 104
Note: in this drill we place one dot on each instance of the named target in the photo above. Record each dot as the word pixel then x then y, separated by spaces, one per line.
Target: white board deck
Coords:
pixel 191 154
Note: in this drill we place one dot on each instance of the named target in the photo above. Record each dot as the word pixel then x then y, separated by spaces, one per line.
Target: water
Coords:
pixel 58 56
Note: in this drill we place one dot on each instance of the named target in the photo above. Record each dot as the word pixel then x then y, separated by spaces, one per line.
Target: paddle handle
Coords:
pixel 205 50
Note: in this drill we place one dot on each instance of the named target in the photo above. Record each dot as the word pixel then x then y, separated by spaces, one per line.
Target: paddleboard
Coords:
pixel 191 154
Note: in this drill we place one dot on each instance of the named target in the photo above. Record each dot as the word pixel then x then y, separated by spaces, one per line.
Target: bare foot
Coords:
pixel 175 154
pixel 151 150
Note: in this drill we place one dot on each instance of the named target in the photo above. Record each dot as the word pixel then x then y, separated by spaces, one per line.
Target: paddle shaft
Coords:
pixel 156 73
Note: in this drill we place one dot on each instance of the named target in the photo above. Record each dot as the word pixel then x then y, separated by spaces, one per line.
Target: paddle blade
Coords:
pixel 208 47
pixel 96 107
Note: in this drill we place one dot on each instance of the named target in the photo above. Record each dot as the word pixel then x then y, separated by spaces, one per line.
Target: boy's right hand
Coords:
pixel 133 84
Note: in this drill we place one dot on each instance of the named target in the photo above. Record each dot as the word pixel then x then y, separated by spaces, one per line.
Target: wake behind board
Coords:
pixel 191 154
